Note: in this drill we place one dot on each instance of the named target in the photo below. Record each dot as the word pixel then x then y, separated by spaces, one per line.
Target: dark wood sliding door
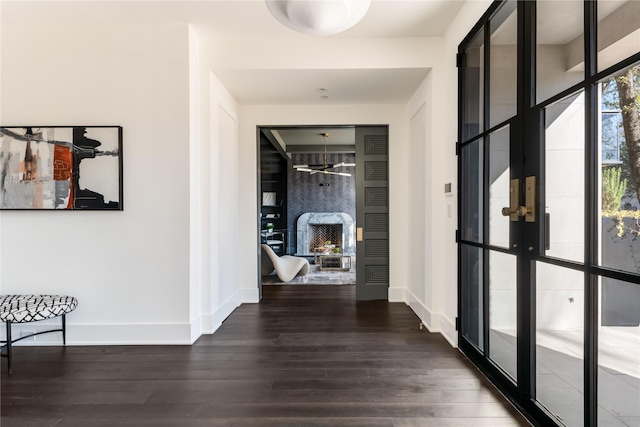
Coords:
pixel 372 213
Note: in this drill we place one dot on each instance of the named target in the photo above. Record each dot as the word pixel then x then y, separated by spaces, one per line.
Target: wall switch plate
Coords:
pixel 448 189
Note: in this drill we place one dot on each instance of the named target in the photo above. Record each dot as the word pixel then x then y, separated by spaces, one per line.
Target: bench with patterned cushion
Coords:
pixel 32 308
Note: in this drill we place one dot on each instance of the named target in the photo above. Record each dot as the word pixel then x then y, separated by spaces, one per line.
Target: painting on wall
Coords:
pixel 56 167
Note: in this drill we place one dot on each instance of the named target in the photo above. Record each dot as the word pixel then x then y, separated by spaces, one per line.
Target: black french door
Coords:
pixel 548 224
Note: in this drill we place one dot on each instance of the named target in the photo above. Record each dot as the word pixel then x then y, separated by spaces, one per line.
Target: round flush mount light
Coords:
pixel 318 17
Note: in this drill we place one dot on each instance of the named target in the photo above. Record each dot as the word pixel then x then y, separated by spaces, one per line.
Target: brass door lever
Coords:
pixel 514 200
pixel 514 210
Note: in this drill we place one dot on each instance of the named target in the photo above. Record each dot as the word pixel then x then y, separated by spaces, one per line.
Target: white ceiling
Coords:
pixel 297 83
pixel 343 86
pixel 230 21
pixel 234 18
pixel 313 135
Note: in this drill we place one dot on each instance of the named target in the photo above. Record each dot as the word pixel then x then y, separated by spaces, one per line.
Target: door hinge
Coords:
pixel 457 323
pixel 460 60
pixel 457 148
pixel 457 236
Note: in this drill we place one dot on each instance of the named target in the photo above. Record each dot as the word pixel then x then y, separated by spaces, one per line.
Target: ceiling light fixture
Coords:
pixel 324 168
pixel 318 17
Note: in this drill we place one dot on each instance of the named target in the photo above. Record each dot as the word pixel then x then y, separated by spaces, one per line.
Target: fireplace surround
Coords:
pixel 335 226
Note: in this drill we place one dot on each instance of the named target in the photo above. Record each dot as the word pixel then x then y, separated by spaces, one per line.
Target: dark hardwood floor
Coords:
pixel 305 356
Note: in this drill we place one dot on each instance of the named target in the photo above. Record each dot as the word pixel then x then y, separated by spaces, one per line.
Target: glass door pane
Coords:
pixel 499 179
pixel 619 184
pixel 564 177
pixel 471 297
pixel 559 46
pixel 560 342
pixel 503 65
pixel 618 31
pixel 503 328
pixel 474 88
pixel 619 354
pixel 472 191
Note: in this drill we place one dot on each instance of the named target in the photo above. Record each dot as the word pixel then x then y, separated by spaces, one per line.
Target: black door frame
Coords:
pixel 528 125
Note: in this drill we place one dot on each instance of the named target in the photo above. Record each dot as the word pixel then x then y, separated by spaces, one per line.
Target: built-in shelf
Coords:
pixel 273 184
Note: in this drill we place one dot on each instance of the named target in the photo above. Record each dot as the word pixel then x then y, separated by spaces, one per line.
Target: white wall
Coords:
pixel 227 172
pixel 215 292
pixel 419 217
pixel 199 177
pixel 165 277
pixel 264 115
pixel 419 292
pixel 129 270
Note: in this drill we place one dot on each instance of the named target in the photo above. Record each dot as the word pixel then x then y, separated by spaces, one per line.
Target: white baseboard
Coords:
pixel 434 322
pixel 448 331
pixel 105 334
pixel 197 326
pixel 249 295
pixel 211 323
pixel 125 334
pixel 188 333
pixel 421 311
pixel 398 295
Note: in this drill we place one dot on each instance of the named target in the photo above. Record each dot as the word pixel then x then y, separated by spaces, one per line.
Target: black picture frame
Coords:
pixel 61 168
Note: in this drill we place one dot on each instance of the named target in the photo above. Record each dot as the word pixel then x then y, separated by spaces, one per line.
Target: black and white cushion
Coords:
pixel 30 308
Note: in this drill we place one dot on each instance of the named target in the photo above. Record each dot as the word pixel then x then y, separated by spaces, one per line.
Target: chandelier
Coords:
pixel 324 167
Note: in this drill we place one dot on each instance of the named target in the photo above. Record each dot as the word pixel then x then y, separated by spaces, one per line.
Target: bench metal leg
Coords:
pixel 64 329
pixel 9 351
pixel 10 340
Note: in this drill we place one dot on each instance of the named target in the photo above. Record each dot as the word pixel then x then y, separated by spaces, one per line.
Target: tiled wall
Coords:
pixel 305 194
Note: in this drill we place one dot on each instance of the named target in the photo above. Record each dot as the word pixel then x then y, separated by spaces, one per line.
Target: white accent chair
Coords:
pixel 287 267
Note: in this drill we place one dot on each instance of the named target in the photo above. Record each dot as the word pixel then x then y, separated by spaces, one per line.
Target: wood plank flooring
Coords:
pixel 306 356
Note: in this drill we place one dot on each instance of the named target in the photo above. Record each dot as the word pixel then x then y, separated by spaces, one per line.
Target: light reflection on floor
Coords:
pixel 560 372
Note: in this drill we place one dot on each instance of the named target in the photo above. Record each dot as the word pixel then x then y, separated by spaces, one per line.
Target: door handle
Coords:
pixel 506 211
pixel 514 211
pixel 520 211
pixel 529 210
pixel 514 200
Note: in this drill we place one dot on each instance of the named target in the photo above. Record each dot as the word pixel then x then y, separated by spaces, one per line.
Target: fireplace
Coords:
pixel 319 234
pixel 315 228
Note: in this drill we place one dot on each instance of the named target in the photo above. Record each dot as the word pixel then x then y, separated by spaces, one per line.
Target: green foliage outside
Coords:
pixel 613 188
pixel 632 226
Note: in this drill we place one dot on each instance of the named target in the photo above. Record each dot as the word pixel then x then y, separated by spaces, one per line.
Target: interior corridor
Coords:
pixel 304 356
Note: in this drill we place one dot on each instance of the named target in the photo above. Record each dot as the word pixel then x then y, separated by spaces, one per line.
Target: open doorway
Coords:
pixel 307 202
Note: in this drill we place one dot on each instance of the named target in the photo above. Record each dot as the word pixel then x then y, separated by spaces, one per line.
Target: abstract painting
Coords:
pixel 56 167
